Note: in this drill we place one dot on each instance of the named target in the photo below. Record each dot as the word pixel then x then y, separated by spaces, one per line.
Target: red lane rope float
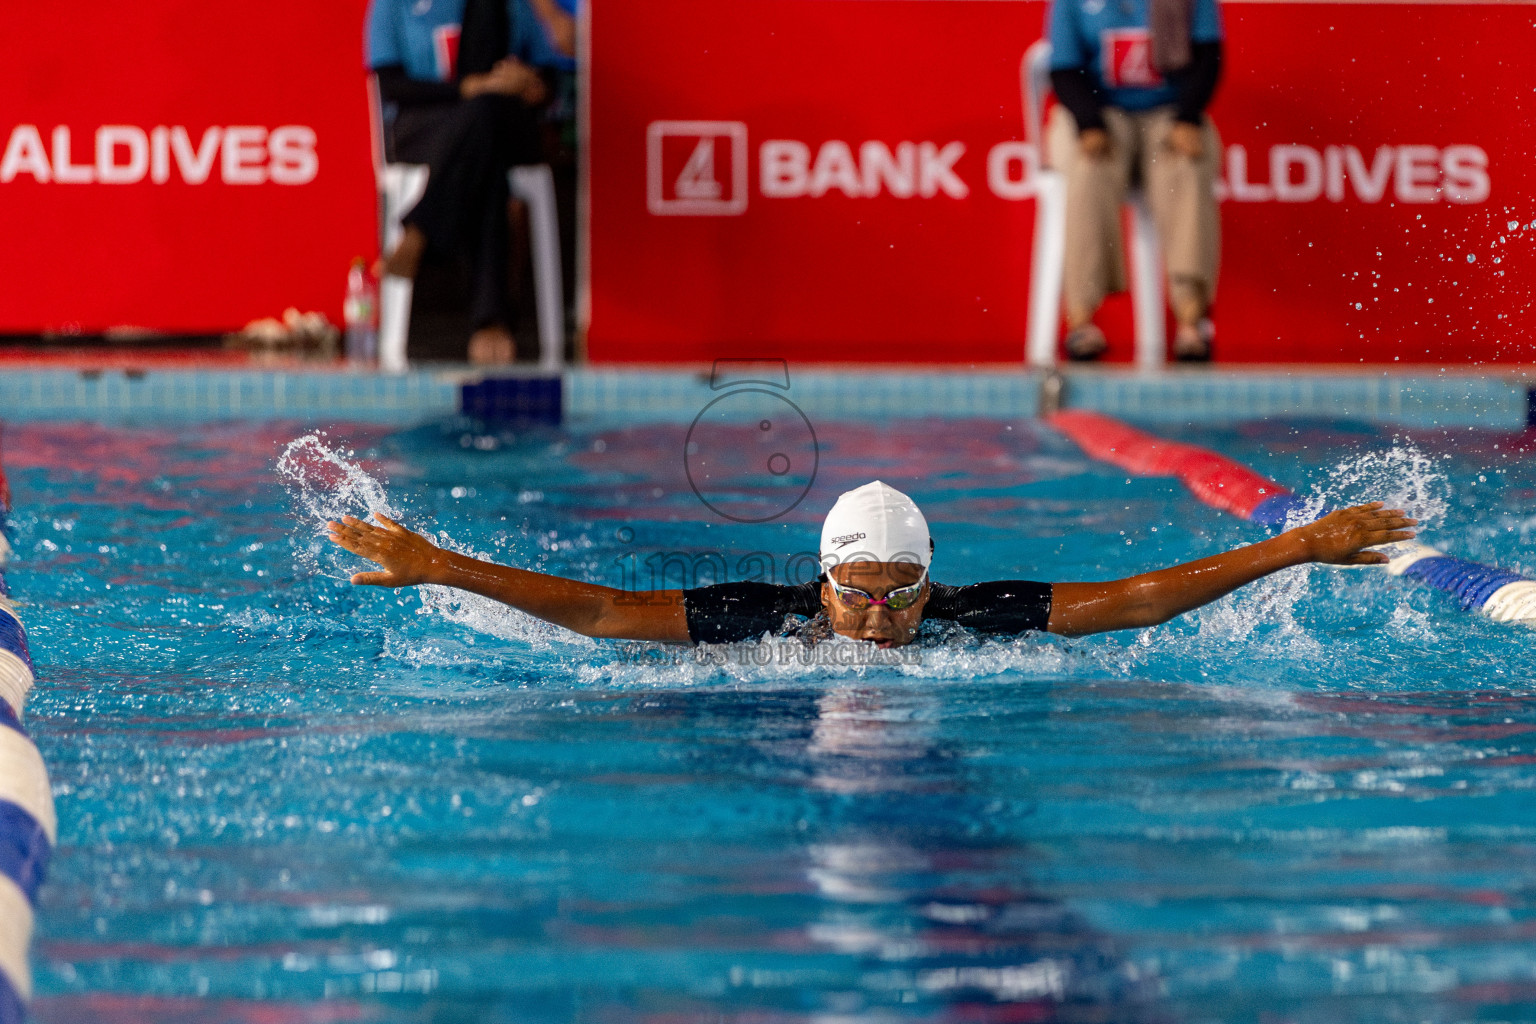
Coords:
pixel 1214 479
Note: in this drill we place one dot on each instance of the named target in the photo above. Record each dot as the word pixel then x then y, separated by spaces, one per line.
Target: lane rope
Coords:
pixel 28 826
pixel 1501 594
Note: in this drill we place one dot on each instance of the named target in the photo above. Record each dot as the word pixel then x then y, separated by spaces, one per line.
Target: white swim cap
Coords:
pixel 875 523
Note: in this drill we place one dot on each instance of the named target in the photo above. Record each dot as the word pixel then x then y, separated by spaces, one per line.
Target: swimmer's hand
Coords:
pixel 406 558
pixel 1341 537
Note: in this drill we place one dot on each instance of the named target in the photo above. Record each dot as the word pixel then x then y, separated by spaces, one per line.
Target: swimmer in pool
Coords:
pixel 876 550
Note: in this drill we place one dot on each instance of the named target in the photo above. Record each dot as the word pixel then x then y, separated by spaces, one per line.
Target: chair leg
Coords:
pixel 403 186
pixel 1047 267
pixel 394 321
pixel 535 185
pixel 1147 298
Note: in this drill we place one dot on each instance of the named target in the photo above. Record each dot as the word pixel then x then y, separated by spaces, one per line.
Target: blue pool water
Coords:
pixel 284 799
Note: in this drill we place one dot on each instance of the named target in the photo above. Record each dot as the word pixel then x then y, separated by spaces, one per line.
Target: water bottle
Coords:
pixel 360 311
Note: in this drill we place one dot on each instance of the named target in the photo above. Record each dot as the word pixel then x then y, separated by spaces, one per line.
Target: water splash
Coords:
pixel 1412 625
pixel 1265 612
pixel 487 615
pixel 1402 477
pixel 790 662
pixel 327 483
pixel 1263 621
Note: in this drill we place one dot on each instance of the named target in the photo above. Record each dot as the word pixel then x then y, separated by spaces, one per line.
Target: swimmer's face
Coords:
pixel 877 623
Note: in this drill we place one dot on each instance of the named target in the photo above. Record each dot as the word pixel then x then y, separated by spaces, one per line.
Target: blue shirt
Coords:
pixel 423 36
pixel 531 44
pixel 1111 38
pixel 420 35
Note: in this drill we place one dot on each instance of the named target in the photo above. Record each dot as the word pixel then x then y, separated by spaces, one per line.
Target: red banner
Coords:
pixel 850 181
pixel 181 166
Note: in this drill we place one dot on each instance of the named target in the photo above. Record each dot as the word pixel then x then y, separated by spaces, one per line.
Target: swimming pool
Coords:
pixel 285 799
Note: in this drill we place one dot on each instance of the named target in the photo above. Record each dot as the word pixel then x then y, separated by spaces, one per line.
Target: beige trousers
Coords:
pixel 1180 193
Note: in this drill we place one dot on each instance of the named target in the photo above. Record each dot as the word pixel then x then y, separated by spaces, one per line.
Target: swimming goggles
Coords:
pixel 897 600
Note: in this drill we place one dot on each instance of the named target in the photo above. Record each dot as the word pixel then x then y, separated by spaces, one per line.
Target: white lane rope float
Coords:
pixel 28 828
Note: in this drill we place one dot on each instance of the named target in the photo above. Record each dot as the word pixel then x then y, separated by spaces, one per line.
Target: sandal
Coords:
pixel 1085 344
pixel 1193 342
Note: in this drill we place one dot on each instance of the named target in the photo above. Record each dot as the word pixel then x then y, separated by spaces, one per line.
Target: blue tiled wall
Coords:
pixel 1182 397
pixel 216 394
pixel 1205 395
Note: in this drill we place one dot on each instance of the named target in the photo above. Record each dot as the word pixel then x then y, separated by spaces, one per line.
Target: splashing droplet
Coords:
pixel 328 485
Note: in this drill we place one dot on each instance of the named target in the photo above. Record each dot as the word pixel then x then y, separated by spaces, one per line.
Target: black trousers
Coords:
pixel 469 146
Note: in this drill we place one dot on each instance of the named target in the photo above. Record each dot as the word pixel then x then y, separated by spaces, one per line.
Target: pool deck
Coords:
pixel 128 386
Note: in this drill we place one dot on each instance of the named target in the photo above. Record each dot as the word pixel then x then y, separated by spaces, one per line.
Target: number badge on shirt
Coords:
pixel 1127 56
pixel 445 44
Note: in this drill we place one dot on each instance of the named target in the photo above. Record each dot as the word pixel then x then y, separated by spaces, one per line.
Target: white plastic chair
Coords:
pixel 402 186
pixel 1148 300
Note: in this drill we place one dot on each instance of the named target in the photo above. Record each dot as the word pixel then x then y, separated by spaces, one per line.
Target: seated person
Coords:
pixel 1133 78
pixel 457 100
pixel 876 550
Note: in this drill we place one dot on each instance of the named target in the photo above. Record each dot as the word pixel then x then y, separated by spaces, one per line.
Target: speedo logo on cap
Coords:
pixel 846 539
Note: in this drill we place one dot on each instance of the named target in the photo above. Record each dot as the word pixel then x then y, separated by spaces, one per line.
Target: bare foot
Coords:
pixel 406 259
pixel 492 346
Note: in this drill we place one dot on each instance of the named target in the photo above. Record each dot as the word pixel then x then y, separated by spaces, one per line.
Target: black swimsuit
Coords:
pixel 728 612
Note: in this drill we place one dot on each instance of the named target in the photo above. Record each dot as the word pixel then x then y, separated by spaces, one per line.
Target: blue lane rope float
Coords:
pixel 28 828
pixel 1501 594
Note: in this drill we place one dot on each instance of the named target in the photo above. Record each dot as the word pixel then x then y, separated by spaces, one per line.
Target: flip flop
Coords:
pixel 1193 343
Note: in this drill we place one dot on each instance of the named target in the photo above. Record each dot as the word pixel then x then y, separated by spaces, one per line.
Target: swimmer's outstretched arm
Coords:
pixel 1338 538
pixel 407 559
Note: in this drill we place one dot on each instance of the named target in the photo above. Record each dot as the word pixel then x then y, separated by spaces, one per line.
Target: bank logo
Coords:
pixel 1127 55
pixel 696 168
